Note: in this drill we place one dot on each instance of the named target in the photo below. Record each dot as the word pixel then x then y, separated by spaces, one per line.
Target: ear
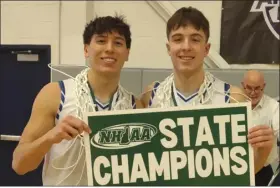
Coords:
pixel 127 54
pixel 86 46
pixel 207 48
pixel 264 85
pixel 168 48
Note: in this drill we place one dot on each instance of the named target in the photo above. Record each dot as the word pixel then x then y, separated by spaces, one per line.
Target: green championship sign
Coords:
pixel 197 146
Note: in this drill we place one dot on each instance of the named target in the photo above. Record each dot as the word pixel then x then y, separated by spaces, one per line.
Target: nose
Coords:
pixel 109 47
pixel 186 45
pixel 254 92
pixel 253 95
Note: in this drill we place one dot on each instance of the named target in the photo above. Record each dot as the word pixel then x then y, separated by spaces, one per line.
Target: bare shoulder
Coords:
pixel 146 95
pixel 139 103
pixel 43 112
pixel 237 95
pixel 49 96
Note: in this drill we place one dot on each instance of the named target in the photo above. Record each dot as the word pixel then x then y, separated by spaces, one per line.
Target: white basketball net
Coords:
pixel 85 104
pixel 165 97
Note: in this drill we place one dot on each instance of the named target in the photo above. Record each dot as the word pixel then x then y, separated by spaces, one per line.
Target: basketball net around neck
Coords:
pixel 208 87
pixel 85 103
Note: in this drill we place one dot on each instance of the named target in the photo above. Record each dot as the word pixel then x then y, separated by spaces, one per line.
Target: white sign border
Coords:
pixel 151 110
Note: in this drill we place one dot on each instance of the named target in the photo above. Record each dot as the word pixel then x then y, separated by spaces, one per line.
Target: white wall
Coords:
pixel 212 11
pixel 61 25
pixel 148 32
pixel 73 21
pixel 31 23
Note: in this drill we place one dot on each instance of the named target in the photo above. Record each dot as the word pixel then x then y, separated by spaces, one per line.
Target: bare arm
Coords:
pixel 238 95
pixel 146 95
pixel 139 104
pixel 261 138
pixel 34 142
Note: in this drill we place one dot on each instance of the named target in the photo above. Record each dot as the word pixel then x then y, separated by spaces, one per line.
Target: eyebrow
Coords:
pixel 192 35
pixel 197 35
pixel 100 35
pixel 176 35
pixel 120 38
pixel 252 86
pixel 117 37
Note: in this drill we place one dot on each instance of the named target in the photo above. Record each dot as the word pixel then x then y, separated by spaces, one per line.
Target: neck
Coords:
pixel 188 83
pixel 104 86
pixel 256 104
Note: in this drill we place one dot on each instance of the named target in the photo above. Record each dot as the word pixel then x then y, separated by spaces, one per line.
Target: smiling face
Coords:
pixel 107 52
pixel 187 48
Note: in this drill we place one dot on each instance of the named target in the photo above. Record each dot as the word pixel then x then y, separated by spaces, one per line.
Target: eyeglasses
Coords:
pixel 250 89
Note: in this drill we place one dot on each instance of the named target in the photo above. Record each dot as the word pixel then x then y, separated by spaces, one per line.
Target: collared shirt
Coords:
pixel 267 113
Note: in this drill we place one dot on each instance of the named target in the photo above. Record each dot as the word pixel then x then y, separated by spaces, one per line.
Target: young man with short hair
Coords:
pixel 53 130
pixel 189 84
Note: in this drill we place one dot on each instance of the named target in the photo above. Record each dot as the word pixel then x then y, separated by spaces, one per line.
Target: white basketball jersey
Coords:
pixel 165 94
pixel 59 156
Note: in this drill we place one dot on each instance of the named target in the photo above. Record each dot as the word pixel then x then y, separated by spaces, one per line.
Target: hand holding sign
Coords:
pixel 261 139
pixel 68 128
pixel 261 136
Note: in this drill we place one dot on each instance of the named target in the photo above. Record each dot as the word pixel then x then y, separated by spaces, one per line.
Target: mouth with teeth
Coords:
pixel 186 58
pixel 108 59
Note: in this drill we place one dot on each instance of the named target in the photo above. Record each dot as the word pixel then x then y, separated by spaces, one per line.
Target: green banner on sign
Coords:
pixel 197 146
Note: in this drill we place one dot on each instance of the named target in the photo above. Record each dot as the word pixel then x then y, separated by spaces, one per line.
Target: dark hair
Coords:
pixel 107 24
pixel 188 16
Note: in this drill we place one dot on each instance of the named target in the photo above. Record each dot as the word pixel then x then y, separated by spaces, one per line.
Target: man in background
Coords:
pixel 265 111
